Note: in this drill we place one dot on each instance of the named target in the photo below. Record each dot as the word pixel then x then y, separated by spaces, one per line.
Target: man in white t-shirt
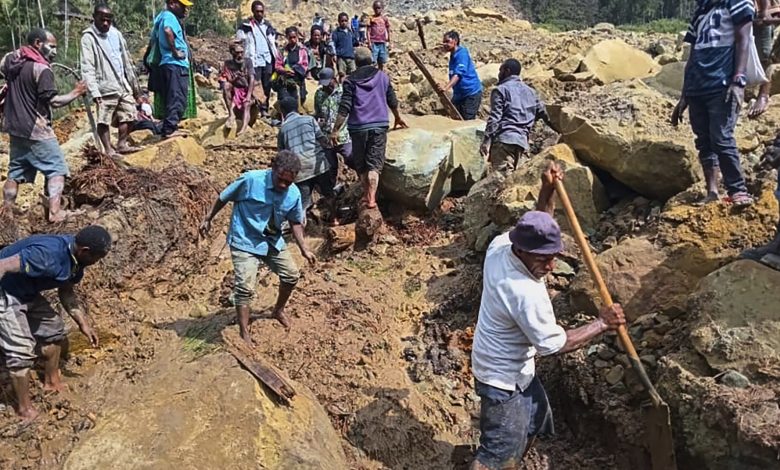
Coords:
pixel 516 322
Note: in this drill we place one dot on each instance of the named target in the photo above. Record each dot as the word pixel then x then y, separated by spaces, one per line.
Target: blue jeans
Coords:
pixel 379 52
pixel 713 118
pixel 177 86
pixel 508 420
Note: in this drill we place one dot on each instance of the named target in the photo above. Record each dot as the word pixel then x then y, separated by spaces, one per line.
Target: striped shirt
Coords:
pixel 712 34
pixel 301 135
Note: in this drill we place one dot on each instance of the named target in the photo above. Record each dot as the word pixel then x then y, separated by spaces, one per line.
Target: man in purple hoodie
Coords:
pixel 367 95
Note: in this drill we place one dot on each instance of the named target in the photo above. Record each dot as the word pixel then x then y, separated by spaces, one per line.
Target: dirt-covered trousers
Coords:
pixel 246 265
pixel 25 325
pixel 508 420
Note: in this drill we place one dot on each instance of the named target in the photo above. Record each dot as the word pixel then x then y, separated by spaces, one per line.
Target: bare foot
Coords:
pixel 710 197
pixel 27 415
pixel 175 135
pixel 247 337
pixel 54 384
pixel 281 317
pixel 125 149
pixel 62 215
pixel 243 129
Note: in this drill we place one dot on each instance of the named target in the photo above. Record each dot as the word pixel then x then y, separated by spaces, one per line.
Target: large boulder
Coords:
pixel 435 156
pixel 568 65
pixel 488 74
pixel 484 13
pixel 206 414
pixel 642 277
pixel 669 80
pixel 690 242
pixel 614 60
pixel 624 130
pixel 738 324
pixel 162 154
pixel 496 203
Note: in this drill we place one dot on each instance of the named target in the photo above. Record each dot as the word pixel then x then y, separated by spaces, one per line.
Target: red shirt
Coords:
pixel 379 29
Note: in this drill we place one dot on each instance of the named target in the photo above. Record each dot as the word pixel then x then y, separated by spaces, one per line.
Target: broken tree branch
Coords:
pixel 450 108
pixel 421 33
pixel 261 371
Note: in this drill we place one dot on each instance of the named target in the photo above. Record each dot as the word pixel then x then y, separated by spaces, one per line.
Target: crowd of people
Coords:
pixel 350 123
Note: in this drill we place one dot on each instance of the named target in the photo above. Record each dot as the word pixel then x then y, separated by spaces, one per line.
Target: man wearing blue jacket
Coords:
pixel 464 81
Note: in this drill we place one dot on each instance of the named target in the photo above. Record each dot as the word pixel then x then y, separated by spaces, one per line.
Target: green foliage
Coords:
pixel 205 16
pixel 665 25
pixel 570 14
pixel 207 94
pixel 132 17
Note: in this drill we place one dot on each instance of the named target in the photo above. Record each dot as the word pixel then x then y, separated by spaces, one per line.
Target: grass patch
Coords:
pixel 207 94
pixel 200 340
pixel 665 25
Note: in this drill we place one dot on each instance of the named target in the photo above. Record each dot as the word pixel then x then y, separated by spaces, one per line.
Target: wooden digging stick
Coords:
pixel 450 108
pixel 421 33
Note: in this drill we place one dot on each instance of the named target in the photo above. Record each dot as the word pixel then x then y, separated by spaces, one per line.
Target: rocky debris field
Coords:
pixel 380 343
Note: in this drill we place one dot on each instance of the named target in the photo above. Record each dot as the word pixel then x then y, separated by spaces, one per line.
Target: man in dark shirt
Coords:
pixel 714 88
pixel 34 148
pixel 27 268
pixel 514 108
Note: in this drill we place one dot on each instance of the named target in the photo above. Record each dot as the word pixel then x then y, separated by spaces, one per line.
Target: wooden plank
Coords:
pixel 450 108
pixel 263 372
pixel 421 33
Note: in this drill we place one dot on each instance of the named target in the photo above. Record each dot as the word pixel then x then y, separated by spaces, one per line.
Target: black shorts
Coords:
pixel 324 184
pixel 368 149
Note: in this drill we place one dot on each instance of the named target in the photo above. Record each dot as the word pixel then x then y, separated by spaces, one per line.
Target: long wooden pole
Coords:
pixel 450 108
pixel 659 430
pixel 40 12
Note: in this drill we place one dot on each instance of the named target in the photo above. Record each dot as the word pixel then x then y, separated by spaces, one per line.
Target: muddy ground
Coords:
pixel 381 337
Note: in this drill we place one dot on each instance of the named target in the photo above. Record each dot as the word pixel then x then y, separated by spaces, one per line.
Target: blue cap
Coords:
pixel 538 233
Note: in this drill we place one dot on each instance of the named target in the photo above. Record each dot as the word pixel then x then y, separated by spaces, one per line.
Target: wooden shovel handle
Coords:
pixel 590 261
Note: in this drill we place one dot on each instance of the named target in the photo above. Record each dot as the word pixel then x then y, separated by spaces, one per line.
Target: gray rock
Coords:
pixel 649 360
pixel 734 379
pixel 615 374
pixel 606 353
pixel 562 268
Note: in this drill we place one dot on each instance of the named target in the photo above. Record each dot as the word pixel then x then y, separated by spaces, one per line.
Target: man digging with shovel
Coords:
pixel 516 321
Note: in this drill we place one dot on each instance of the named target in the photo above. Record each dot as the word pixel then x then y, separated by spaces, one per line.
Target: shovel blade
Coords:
pixel 658 436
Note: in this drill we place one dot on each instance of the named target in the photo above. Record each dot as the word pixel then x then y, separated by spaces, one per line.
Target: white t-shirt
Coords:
pixel 516 321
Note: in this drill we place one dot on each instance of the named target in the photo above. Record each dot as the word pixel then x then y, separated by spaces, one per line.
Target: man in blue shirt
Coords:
pixel 714 88
pixel 174 64
pixel 27 268
pixel 263 200
pixel 464 81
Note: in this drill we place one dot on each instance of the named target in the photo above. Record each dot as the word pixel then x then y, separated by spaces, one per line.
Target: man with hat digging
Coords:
pixel 516 322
